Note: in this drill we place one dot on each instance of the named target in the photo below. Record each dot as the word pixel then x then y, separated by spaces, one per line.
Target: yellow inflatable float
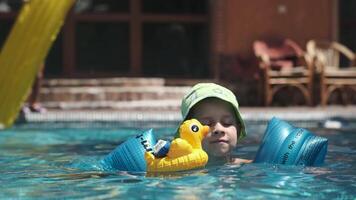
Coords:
pixel 24 51
pixel 184 153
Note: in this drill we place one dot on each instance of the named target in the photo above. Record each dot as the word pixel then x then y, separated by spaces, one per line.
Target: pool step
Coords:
pixel 120 81
pixel 137 105
pixel 112 93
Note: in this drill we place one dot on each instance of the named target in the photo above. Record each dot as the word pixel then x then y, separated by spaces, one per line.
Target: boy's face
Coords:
pixel 219 116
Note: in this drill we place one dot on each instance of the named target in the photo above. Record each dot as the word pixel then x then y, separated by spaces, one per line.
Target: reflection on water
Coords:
pixel 64 163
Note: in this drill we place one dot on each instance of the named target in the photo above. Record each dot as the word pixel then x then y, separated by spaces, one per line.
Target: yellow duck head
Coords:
pixel 193 132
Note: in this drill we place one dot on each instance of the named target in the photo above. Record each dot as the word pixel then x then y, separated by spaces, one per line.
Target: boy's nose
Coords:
pixel 217 132
pixel 217 129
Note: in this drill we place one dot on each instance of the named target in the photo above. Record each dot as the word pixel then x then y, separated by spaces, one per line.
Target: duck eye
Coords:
pixel 194 128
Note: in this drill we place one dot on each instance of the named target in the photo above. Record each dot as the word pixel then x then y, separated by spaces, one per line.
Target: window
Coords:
pixel 129 38
pixel 175 49
pixel 102 47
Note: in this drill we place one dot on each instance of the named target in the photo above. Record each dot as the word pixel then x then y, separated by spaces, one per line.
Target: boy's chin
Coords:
pixel 220 152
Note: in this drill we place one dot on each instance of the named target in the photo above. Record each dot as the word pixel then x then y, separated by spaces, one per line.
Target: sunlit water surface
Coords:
pixel 63 163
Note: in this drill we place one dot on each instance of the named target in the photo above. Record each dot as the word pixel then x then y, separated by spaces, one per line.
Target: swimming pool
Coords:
pixel 57 161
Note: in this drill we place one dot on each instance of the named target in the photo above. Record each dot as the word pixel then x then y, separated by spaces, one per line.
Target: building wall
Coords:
pixel 299 20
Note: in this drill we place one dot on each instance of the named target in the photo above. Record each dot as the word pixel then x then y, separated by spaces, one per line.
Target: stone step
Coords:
pixel 111 93
pixel 120 81
pixel 126 94
pixel 143 105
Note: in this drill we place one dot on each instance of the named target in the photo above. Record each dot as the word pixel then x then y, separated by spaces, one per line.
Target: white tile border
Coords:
pixel 248 114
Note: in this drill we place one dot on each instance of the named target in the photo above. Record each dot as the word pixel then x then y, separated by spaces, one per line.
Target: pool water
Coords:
pixel 63 163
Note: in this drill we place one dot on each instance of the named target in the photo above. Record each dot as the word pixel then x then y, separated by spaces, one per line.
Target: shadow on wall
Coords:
pixel 243 78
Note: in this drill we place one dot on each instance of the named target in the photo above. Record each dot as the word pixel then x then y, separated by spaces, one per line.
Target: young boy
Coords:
pixel 217 107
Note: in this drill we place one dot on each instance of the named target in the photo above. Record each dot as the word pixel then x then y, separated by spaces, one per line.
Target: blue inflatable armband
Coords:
pixel 285 144
pixel 129 156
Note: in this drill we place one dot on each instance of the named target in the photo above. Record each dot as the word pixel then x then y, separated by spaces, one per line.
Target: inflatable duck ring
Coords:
pixel 139 153
pixel 184 153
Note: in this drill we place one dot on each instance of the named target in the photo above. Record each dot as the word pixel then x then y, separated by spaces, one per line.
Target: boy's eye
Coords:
pixel 206 122
pixel 227 124
pixel 227 121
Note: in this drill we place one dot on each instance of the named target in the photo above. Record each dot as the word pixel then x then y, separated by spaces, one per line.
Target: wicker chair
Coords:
pixel 327 58
pixel 285 65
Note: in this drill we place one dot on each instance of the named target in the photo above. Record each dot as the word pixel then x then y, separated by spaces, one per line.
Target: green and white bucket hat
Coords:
pixel 205 90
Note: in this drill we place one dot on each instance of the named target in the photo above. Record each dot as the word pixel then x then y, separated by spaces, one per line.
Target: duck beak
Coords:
pixel 205 131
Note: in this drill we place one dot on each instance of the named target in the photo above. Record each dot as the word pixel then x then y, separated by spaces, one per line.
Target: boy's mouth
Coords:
pixel 218 141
